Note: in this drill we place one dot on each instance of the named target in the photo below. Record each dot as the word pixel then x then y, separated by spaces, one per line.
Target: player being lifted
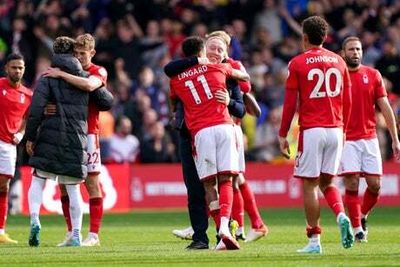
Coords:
pixel 211 127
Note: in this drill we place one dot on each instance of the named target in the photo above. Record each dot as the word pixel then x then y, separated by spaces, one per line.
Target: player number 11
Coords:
pixel 193 90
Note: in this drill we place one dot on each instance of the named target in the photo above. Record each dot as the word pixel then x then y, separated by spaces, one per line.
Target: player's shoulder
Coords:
pixel 26 91
pixel 234 63
pixel 97 69
pixel 369 69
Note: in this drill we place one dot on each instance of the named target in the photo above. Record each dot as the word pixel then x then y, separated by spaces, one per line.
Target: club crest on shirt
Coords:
pixel 22 98
pixel 365 78
pixel 4 92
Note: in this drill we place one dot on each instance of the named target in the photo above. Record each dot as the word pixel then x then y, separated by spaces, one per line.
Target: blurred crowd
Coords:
pixel 136 38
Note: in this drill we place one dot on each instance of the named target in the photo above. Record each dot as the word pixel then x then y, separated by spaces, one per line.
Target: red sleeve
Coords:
pixel 101 73
pixel 380 90
pixel 227 69
pixel 245 86
pixel 292 81
pixel 290 103
pixel 289 109
pixel 347 101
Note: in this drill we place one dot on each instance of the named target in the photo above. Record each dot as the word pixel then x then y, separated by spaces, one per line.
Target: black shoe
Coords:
pixel 197 245
pixel 240 237
pixel 364 225
pixel 360 237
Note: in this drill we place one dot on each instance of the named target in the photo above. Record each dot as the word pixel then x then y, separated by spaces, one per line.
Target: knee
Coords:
pixel 325 182
pixel 374 186
pixel 351 183
pixel 93 188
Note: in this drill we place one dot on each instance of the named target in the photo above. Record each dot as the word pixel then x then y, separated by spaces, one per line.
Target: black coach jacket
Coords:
pixel 60 140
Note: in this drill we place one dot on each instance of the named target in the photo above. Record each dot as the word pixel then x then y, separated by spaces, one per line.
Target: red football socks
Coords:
pixel 96 214
pixel 250 206
pixel 352 202
pixel 334 199
pixel 225 198
pixel 313 231
pixel 238 207
pixel 3 209
pixel 65 209
pixel 369 201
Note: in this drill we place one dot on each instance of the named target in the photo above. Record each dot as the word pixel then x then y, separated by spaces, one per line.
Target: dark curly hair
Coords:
pixel 316 29
pixel 63 45
pixel 192 46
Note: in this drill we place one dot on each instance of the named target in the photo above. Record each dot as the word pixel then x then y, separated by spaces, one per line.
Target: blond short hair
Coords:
pixel 221 35
pixel 85 41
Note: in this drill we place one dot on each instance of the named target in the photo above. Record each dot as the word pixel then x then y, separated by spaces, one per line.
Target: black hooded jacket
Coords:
pixel 60 140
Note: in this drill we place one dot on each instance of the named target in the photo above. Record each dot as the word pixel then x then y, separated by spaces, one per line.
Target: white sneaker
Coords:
pixel 186 234
pixel 312 248
pixel 91 241
pixel 255 234
pixel 67 240
pixel 220 245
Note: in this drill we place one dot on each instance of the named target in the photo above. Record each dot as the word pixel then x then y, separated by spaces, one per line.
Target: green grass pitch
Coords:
pixel 145 239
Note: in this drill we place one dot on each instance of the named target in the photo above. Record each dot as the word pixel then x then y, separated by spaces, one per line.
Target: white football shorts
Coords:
pixel 319 151
pixel 61 179
pixel 93 152
pixel 8 158
pixel 215 151
pixel 240 148
pixel 361 157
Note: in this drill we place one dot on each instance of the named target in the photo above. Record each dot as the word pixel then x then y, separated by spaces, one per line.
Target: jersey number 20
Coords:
pixel 324 78
pixel 193 90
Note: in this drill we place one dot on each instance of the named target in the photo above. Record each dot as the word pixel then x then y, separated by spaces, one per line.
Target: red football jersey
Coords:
pixel 14 106
pixel 245 86
pixel 93 113
pixel 195 87
pixel 321 80
pixel 367 87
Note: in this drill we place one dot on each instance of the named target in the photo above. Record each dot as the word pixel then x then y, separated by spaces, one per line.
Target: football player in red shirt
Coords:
pixel 14 105
pixel 84 51
pixel 361 153
pixel 243 197
pixel 211 126
pixel 319 80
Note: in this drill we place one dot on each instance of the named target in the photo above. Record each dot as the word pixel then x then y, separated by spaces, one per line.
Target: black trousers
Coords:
pixel 196 195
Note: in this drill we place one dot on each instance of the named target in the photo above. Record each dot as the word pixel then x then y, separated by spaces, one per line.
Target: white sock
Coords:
pixel 35 195
pixel 339 216
pixel 94 235
pixel 240 230
pixel 75 208
pixel 224 226
pixel 315 239
pixel 358 229
pixel 2 231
